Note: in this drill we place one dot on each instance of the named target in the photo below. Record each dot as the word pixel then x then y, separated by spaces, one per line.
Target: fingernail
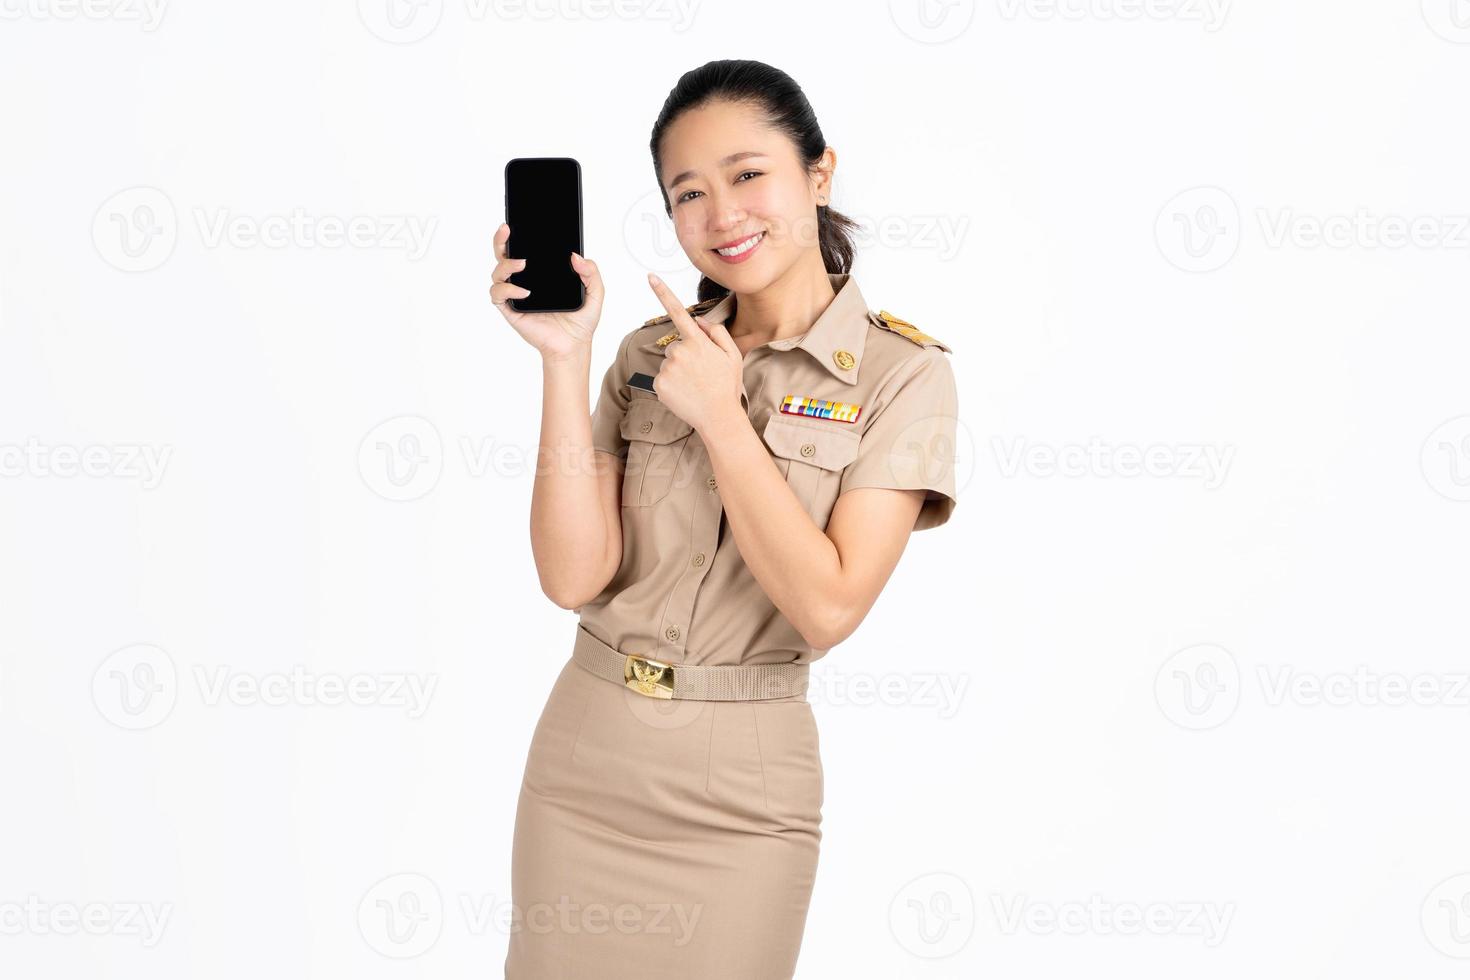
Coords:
pixel 655 279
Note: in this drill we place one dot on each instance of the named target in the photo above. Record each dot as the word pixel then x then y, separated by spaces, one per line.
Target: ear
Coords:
pixel 825 165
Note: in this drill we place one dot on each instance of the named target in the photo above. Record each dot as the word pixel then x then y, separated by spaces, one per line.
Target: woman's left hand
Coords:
pixel 702 375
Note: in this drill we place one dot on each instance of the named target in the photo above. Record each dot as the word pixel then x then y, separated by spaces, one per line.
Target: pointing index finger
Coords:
pixel 687 327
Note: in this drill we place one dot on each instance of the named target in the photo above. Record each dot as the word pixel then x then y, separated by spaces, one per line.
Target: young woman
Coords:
pixel 716 534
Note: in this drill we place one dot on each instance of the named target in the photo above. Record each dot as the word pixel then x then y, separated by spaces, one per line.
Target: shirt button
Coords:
pixel 672 632
pixel 712 484
pixel 808 448
pixel 645 427
pixel 699 559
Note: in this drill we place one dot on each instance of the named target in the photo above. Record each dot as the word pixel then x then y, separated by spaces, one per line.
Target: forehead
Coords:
pixel 700 139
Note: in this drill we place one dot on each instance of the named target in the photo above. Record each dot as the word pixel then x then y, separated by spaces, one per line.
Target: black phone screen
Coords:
pixel 543 206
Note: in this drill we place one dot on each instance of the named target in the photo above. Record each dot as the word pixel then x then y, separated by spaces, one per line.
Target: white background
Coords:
pixel 1188 227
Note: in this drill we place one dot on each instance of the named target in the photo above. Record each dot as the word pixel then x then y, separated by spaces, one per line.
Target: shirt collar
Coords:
pixel 835 339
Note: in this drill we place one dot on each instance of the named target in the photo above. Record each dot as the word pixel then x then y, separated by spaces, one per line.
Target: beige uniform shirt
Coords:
pixel 861 399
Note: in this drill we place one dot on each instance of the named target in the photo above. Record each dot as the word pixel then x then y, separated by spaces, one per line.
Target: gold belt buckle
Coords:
pixel 653 678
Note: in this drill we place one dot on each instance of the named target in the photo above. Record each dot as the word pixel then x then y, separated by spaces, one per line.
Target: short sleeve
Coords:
pixel 910 442
pixel 612 404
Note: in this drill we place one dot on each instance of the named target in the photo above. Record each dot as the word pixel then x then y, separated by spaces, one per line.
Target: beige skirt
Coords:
pixel 663 839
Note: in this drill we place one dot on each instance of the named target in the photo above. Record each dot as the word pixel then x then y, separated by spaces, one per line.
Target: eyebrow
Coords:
pixel 732 158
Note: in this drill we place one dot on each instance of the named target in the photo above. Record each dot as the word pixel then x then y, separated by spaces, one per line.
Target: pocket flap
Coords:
pixel 827 447
pixel 647 420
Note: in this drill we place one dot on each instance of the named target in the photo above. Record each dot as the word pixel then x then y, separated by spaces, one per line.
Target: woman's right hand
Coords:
pixel 555 335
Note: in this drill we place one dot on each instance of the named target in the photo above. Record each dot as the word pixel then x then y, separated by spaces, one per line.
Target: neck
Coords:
pixel 786 308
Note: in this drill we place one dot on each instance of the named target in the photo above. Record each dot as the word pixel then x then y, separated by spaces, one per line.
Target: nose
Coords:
pixel 725 213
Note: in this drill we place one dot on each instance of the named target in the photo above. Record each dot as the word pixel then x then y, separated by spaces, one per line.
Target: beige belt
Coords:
pixel 696 682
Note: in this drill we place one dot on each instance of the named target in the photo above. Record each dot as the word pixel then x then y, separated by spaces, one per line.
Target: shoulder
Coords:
pixel 660 329
pixel 897 350
pixel 886 323
pixel 694 310
pixel 906 361
pixel 656 330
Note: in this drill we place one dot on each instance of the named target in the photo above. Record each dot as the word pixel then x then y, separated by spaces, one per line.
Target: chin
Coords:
pixel 739 279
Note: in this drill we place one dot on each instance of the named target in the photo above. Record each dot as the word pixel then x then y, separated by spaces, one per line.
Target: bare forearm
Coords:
pixel 793 560
pixel 569 531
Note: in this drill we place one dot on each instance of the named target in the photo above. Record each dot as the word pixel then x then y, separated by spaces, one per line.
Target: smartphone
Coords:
pixel 543 206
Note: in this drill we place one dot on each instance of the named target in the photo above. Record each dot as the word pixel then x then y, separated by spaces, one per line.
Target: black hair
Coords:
pixel 786 108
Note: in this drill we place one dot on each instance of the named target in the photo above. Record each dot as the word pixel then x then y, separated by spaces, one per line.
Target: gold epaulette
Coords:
pixel 906 330
pixel 694 310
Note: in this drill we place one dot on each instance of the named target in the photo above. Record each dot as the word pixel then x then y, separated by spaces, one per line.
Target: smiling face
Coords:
pixel 744 208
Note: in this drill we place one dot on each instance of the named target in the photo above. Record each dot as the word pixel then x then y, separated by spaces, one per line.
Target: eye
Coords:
pixel 685 196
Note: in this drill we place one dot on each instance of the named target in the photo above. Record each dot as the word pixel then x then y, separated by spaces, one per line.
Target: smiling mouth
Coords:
pixel 742 247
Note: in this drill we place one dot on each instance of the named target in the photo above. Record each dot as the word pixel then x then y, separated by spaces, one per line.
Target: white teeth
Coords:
pixel 744 246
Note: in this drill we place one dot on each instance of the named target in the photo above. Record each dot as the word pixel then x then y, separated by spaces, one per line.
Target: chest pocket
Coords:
pixel 812 455
pixel 656 440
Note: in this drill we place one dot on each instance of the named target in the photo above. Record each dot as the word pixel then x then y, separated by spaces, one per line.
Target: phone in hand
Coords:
pixel 543 206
